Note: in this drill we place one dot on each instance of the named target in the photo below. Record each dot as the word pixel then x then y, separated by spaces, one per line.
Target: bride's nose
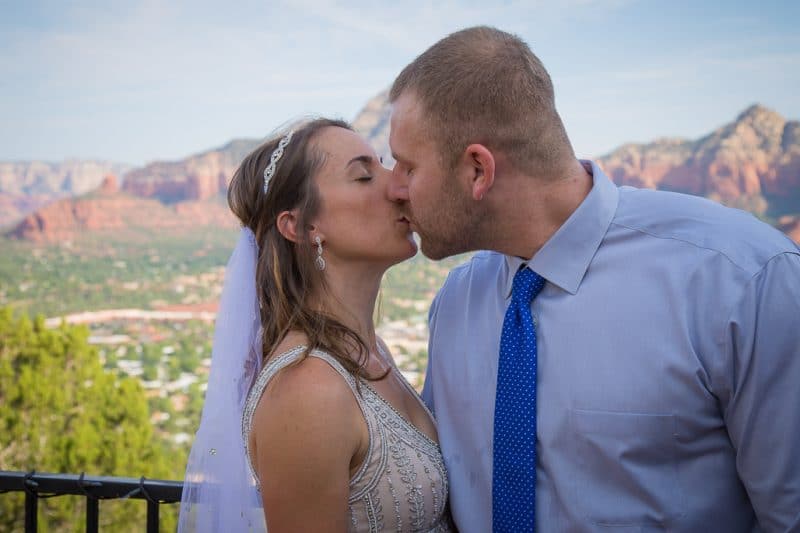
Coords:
pixel 386 181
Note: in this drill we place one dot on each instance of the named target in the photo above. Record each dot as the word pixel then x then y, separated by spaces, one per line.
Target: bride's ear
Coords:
pixel 287 225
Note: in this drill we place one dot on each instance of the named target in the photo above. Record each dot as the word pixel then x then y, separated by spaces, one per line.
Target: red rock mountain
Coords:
pixel 109 209
pixel 373 123
pixel 752 163
pixel 198 177
pixel 27 185
pixel 168 196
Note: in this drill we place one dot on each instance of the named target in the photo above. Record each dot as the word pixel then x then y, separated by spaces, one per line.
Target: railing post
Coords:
pixel 31 511
pixel 31 503
pixel 92 514
pixel 92 503
pixel 152 516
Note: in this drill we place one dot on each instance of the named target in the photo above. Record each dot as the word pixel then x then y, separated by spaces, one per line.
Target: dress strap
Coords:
pixel 257 390
pixel 336 365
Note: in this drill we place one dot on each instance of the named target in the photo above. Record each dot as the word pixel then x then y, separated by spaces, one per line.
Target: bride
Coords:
pixel 308 425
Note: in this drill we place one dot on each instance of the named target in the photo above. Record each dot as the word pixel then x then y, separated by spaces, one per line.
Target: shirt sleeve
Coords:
pixel 762 412
pixel 427 388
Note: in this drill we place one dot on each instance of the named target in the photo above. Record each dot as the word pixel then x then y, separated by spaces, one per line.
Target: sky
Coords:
pixel 142 80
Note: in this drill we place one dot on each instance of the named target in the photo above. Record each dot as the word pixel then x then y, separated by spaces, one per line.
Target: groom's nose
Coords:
pixel 398 186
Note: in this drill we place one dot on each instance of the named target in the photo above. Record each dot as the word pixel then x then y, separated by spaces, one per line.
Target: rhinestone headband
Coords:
pixel 273 159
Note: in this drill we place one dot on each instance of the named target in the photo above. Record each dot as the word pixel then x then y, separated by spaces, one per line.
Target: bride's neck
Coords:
pixel 350 298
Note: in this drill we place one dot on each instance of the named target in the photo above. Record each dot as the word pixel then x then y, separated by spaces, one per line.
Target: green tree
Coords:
pixel 60 411
pixel 174 367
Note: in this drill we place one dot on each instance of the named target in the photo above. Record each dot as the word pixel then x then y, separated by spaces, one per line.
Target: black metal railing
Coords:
pixel 36 485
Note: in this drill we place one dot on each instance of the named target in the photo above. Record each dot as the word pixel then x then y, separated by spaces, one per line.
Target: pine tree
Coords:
pixel 62 412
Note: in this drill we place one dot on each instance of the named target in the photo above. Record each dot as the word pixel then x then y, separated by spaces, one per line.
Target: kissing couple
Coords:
pixel 610 358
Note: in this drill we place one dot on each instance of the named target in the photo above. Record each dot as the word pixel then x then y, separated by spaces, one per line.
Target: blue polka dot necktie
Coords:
pixel 514 457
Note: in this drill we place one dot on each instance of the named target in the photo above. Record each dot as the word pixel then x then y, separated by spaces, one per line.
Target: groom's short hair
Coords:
pixel 483 85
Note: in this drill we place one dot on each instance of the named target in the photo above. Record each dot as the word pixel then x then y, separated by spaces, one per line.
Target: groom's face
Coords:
pixel 430 195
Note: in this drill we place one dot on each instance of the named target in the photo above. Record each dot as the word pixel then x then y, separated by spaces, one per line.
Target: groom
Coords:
pixel 619 359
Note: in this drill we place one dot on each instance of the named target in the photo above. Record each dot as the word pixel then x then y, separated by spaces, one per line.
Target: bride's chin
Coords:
pixel 404 248
pixel 414 246
pixel 409 252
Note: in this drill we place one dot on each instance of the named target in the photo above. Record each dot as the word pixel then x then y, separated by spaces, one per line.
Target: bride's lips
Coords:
pixel 402 219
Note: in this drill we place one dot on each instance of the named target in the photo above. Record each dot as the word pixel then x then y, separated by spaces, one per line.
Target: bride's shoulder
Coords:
pixel 307 415
pixel 308 403
pixel 312 381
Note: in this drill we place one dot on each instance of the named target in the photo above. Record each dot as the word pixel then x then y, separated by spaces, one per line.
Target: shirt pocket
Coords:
pixel 627 471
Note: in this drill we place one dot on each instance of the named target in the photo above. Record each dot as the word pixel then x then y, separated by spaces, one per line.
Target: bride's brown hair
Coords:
pixel 286 278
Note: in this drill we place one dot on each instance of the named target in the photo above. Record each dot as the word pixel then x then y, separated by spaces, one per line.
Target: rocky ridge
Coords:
pixel 108 209
pixel 752 163
pixel 373 123
pixel 27 185
pixel 198 177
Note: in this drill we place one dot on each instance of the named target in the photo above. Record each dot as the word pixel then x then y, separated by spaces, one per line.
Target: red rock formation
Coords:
pixel 108 211
pixel 28 185
pixel 752 163
pixel 373 123
pixel 109 185
pixel 14 207
pixel 198 177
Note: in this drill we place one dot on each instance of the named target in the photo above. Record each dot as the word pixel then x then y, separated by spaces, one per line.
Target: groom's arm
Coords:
pixel 427 389
pixel 761 391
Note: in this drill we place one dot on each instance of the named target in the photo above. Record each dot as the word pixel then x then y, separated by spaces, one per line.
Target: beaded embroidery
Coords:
pixel 398 453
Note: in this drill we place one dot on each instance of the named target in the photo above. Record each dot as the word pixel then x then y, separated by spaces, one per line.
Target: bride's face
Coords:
pixel 357 220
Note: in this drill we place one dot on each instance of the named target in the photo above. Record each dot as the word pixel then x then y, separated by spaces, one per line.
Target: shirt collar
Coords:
pixel 565 257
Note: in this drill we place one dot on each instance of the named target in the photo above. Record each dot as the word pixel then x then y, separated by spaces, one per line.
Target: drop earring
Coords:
pixel 319 261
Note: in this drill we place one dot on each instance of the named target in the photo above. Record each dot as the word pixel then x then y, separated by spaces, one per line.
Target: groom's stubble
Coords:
pixel 450 223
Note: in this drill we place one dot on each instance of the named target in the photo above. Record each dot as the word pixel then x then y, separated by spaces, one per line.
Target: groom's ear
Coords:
pixel 481 164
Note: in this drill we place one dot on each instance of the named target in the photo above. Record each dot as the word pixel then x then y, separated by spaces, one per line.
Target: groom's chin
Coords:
pixel 431 251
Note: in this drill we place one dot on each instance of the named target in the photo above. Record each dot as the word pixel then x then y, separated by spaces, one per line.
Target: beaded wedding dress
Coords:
pixel 402 483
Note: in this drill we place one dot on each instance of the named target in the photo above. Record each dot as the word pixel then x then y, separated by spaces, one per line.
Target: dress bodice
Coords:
pixel 402 483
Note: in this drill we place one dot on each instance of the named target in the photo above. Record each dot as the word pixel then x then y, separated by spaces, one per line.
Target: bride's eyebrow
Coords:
pixel 366 159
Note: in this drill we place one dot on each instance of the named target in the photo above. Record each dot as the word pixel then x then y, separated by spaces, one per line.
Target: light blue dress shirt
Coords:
pixel 668 370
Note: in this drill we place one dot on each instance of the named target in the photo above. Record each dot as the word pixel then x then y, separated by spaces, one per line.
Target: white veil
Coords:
pixel 219 492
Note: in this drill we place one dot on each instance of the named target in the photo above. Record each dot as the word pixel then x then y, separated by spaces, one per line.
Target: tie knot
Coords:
pixel 526 286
